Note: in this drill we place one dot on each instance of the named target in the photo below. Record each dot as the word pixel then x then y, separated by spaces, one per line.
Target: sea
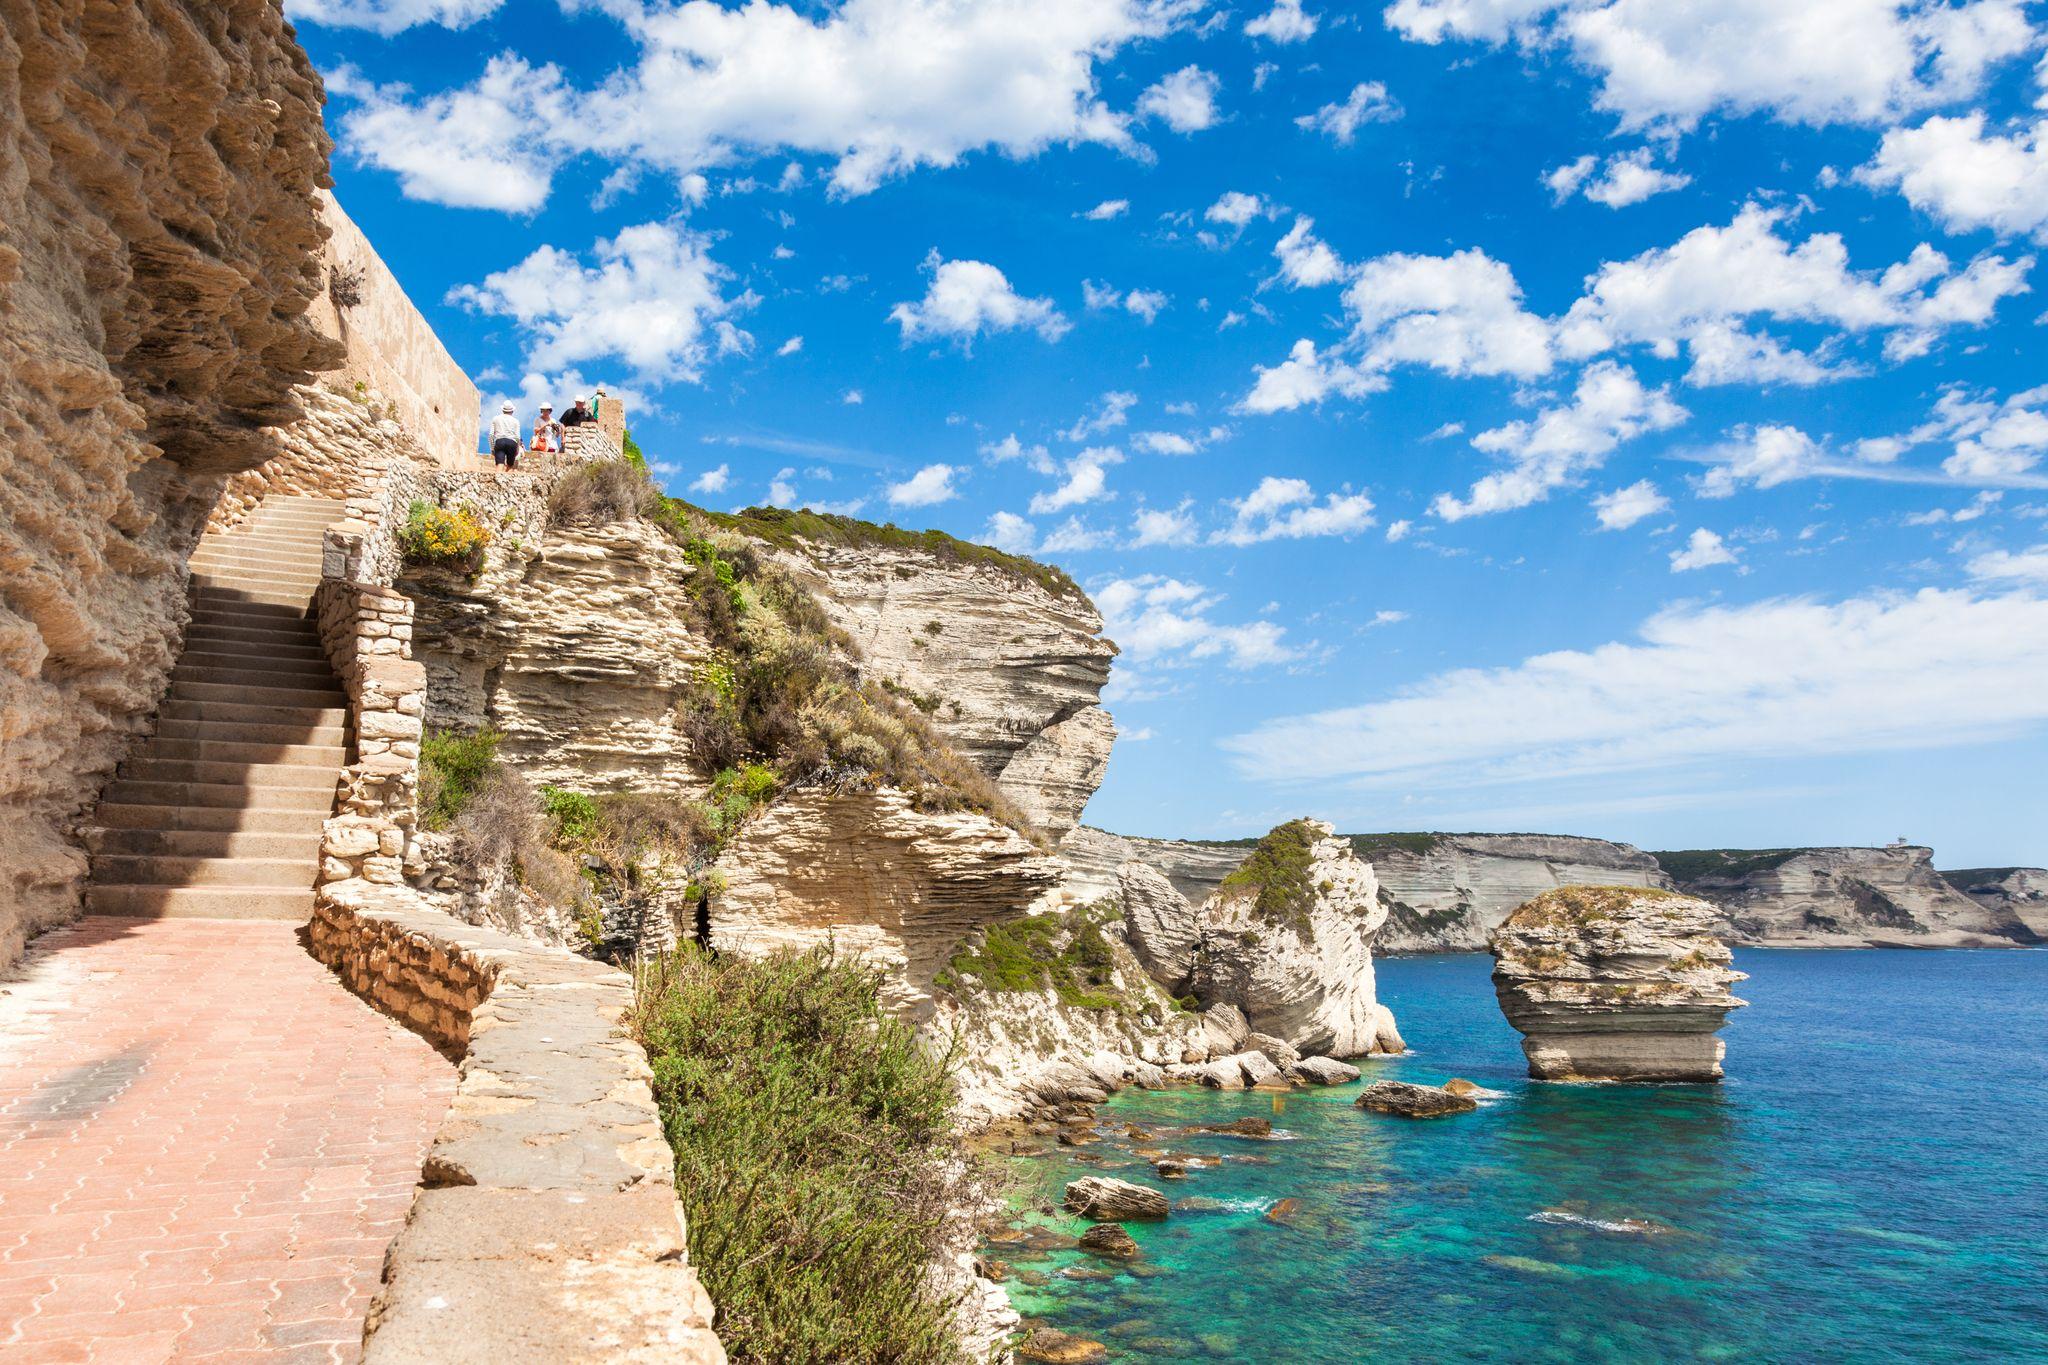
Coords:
pixel 1870 1183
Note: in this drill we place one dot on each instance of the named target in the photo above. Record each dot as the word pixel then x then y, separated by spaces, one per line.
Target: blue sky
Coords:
pixel 1615 417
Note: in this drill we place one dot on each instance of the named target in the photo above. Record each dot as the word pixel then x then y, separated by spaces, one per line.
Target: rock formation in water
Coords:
pixel 159 247
pixel 1288 938
pixel 1841 898
pixel 1616 983
pixel 1402 1099
pixel 2017 893
pixel 1446 893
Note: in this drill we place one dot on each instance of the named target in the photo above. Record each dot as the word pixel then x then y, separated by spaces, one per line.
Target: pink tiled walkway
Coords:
pixel 205 1145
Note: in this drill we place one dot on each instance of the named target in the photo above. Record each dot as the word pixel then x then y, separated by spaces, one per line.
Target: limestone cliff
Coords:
pixel 2018 892
pixel 1841 898
pixel 1446 893
pixel 1006 657
pixel 159 248
pixel 1095 859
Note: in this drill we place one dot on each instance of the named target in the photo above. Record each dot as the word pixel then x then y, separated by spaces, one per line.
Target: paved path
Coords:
pixel 205 1146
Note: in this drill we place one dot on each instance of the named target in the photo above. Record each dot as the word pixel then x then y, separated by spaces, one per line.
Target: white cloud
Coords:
pixel 712 480
pixel 1236 208
pixel 1185 101
pixel 1814 62
pixel 1704 550
pixel 1368 102
pixel 1306 262
pixel 387 17
pixel 1145 303
pixel 1070 536
pixel 932 484
pixel 1009 532
pixel 1306 378
pixel 1162 526
pixel 1779 679
pixel 1461 314
pixel 1153 618
pixel 2029 566
pixel 1110 412
pixel 1087 480
pixel 1284 23
pixel 781 489
pixel 1948 167
pixel 1398 531
pixel 1990 441
pixel 1108 209
pixel 1287 509
pixel 649 300
pixel 969 298
pixel 1164 443
pixel 1628 178
pixel 853 398
pixel 467 148
pixel 1609 405
pixel 1624 507
pixel 1766 456
pixel 1980 506
pixel 1010 448
pixel 791 346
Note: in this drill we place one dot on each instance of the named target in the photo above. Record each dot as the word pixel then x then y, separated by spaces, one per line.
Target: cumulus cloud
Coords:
pixel 1624 507
pixel 466 148
pixel 1108 209
pixel 1009 532
pixel 880 86
pixel 1086 480
pixel 1626 178
pixel 1765 455
pixel 932 484
pixel 1608 406
pixel 1702 551
pixel 1143 303
pixel 1305 379
pixel 1461 314
pixel 1287 509
pixel 791 346
pixel 1010 448
pixel 1284 23
pixel 712 480
pixel 1368 102
pixel 1950 168
pixel 1110 412
pixel 1813 62
pixel 1071 535
pixel 1235 208
pixel 651 298
pixel 1184 101
pixel 1783 678
pixel 967 299
pixel 1162 526
pixel 387 17
pixel 2028 566
pixel 1990 441
pixel 1158 619
pixel 1306 261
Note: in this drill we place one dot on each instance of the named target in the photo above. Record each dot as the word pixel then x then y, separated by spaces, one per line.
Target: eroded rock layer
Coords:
pixel 159 246
pixel 1843 898
pixel 1446 893
pixel 1616 983
pixel 2020 893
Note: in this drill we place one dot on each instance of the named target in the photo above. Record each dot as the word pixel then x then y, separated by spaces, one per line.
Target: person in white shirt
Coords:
pixel 505 439
pixel 547 432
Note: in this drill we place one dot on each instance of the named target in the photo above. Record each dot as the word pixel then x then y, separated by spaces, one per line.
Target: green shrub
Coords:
pixel 436 536
pixel 572 817
pixel 1065 952
pixel 452 771
pixel 1274 875
pixel 814 1159
pixel 601 493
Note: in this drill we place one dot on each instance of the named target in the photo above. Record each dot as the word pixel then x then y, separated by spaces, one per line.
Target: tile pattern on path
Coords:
pixel 206 1143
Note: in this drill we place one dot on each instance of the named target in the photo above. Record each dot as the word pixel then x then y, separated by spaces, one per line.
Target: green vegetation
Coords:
pixel 1065 953
pixel 1275 875
pixel 1691 864
pixel 1365 845
pixel 453 768
pixel 436 536
pixel 630 448
pixel 785 528
pixel 1586 904
pixel 814 1159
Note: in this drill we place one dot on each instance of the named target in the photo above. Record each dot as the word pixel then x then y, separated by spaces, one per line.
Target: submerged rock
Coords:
pixel 1110 1239
pixel 1616 983
pixel 1106 1200
pixel 1408 1101
pixel 1245 1127
pixel 1458 1085
pixel 1325 1071
pixel 1055 1347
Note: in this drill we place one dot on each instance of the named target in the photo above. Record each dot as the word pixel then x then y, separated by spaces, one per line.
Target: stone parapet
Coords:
pixel 367 632
pixel 546 1226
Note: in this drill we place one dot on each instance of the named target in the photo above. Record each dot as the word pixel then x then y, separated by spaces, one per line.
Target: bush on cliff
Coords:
pixel 814 1158
pixel 442 538
pixel 1275 875
pixel 452 770
pixel 601 493
pixel 1064 952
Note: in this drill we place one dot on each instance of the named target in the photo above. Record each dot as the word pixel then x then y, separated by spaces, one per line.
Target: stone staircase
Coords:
pixel 218 815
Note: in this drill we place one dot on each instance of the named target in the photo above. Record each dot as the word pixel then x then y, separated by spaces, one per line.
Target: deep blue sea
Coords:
pixel 1870 1184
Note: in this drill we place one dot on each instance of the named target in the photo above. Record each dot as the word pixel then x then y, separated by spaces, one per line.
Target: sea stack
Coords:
pixel 1616 983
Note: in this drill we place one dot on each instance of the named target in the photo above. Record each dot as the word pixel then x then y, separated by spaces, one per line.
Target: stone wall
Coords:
pixel 546 1226
pixel 367 630
pixel 395 361
pixel 159 246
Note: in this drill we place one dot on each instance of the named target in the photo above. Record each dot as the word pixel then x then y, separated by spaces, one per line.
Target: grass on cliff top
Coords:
pixel 1064 952
pixel 1691 864
pixel 1585 904
pixel 1275 875
pixel 815 1162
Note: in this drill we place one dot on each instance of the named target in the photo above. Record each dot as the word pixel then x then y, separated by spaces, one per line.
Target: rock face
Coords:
pixel 1114 1201
pixel 1095 860
pixel 1841 898
pixel 2018 892
pixel 1288 940
pixel 1616 983
pixel 159 246
pixel 1446 893
pixel 1009 670
pixel 1404 1100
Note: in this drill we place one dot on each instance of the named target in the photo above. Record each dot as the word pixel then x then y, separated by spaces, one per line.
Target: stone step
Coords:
pixel 265 574
pixel 265 540
pixel 305 776
pixel 215 626
pixel 200 902
pixel 213 603
pixel 157 869
pixel 234 796
pixel 243 675
pixel 246 732
pixel 308 717
pixel 215 819
pixel 209 750
pixel 325 698
pixel 199 660
pixel 225 564
pixel 303 845
pixel 216 640
pixel 299 598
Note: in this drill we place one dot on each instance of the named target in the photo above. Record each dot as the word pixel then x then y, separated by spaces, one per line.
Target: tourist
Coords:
pixel 577 414
pixel 547 432
pixel 505 439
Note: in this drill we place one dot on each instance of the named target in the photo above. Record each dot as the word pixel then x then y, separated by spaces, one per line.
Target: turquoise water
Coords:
pixel 1871 1184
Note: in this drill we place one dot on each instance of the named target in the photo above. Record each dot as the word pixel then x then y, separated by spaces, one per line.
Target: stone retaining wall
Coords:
pixel 546 1226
